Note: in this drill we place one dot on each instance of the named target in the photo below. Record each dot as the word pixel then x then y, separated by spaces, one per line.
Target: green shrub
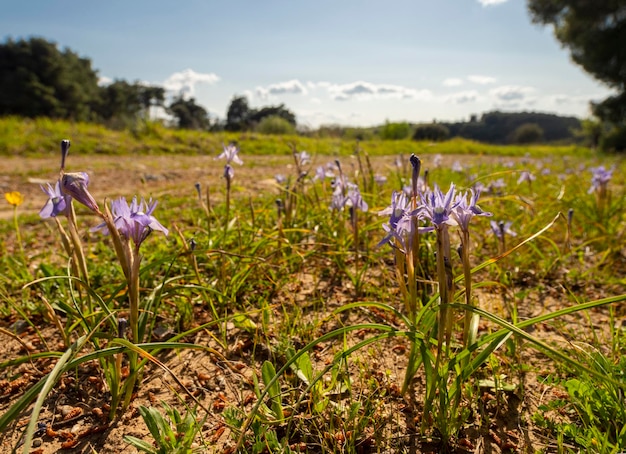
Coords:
pixel 275 125
pixel 614 140
pixel 433 132
pixel 527 133
pixel 395 131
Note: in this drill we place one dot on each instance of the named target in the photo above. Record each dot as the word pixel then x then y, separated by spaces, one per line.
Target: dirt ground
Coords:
pixel 76 406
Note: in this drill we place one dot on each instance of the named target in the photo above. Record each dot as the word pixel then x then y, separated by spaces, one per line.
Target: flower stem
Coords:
pixel 18 236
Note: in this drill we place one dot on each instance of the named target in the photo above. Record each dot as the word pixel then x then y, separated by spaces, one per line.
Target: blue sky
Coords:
pixel 330 61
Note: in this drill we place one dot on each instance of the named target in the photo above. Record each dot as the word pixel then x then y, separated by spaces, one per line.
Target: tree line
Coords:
pixel 40 80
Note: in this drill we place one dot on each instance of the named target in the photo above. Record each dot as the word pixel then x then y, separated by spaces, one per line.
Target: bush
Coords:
pixel 527 133
pixel 395 131
pixel 614 140
pixel 274 124
pixel 433 132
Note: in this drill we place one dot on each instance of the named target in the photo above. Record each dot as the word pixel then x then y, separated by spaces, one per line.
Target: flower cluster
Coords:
pixel 600 177
pixel 135 221
pixel 436 207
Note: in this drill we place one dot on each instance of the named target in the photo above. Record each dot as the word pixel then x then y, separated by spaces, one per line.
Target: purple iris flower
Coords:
pixel 437 207
pixel 421 187
pixel 600 178
pixel 353 198
pixel 302 158
pixel 502 228
pixel 338 199
pixel 75 185
pixel 135 221
pixel 481 187
pixel 525 176
pixel 229 172
pixel 340 186
pixel 57 201
pixel 280 178
pixel 497 184
pixel 230 153
pixel 380 179
pixel 463 211
pixel 457 167
pixel 401 216
pixel 437 160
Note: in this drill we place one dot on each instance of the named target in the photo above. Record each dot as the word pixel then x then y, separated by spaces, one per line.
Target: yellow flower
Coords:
pixel 15 198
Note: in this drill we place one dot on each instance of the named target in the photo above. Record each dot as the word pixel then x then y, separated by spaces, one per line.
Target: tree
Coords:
pixel 595 33
pixel 238 115
pixel 527 133
pixel 151 96
pixel 433 132
pixel 256 116
pixel 119 101
pixel 38 79
pixel 189 115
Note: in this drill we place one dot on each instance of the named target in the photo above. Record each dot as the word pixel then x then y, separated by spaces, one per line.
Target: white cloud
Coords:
pixel 365 90
pixel 511 93
pixel 316 118
pixel 481 80
pixel 184 82
pixel 491 2
pixel 293 87
pixel 321 84
pixel 462 97
pixel 103 81
pixel 452 82
pixel 563 99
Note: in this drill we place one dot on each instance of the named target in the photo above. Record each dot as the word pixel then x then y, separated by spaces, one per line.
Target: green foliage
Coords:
pixel 394 131
pixel 38 79
pixel 188 114
pixel 240 117
pixel 120 104
pixel 256 116
pixel 500 127
pixel 172 435
pixel 614 139
pixel 595 406
pixel 32 138
pixel 238 114
pixel 274 124
pixel 433 132
pixel 527 133
pixel 593 31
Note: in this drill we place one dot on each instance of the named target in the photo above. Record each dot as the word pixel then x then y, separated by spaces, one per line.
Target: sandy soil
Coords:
pixel 217 381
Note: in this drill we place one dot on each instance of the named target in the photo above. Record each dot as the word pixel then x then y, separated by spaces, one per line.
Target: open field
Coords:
pixel 286 326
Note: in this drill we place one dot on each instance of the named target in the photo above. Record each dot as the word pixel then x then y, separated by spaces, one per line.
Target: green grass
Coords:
pixel 32 138
pixel 302 317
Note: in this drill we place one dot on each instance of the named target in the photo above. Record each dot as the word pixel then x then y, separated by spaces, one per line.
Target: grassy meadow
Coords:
pixel 320 296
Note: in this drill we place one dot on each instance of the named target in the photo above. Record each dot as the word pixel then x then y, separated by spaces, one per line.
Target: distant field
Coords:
pixel 40 137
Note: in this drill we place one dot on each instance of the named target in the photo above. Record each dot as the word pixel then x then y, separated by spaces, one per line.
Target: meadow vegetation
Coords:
pixel 374 296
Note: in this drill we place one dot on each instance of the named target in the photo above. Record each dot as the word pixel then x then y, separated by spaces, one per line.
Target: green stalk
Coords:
pixel 471 318
pixel 18 236
pixel 79 254
pixel 133 298
pixel 226 218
